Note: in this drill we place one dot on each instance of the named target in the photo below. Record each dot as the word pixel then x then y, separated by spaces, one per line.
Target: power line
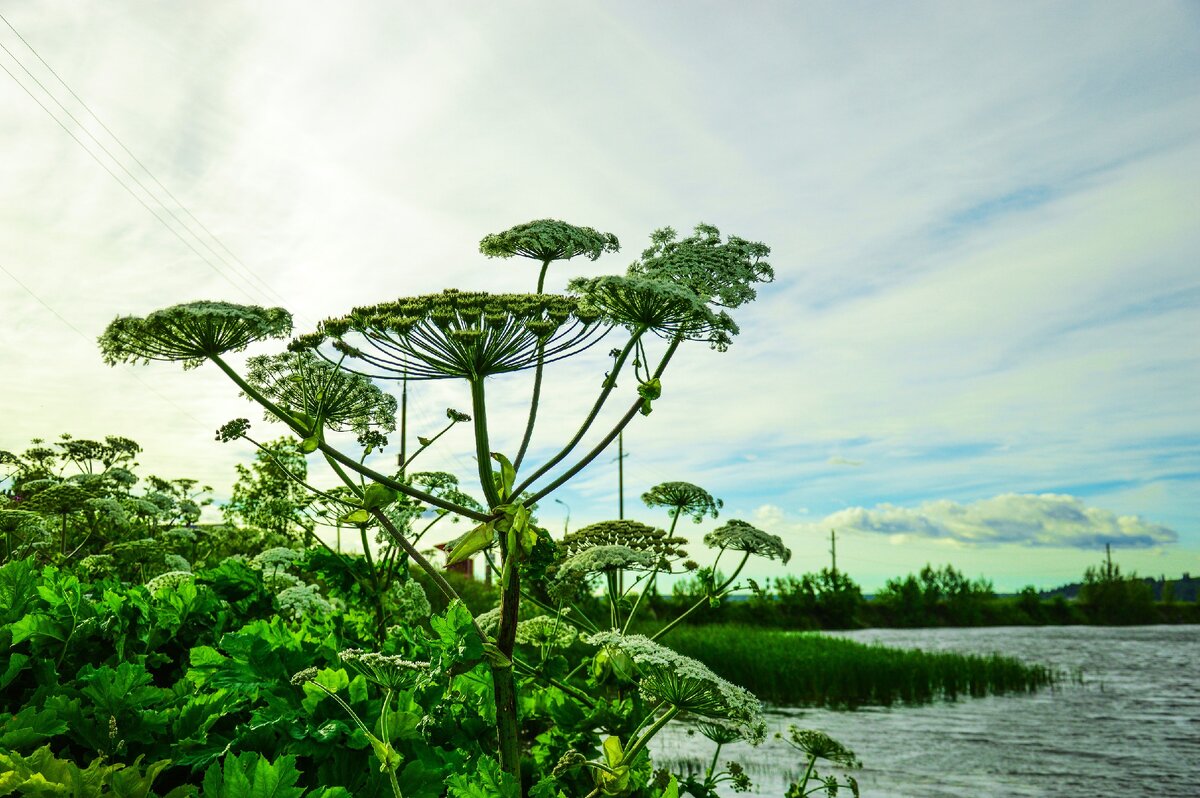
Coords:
pixel 250 272
pixel 249 276
pixel 125 186
pixel 88 338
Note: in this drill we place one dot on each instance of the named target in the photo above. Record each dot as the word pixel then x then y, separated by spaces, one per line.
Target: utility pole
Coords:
pixel 833 550
pixel 621 495
pixel 621 475
pixel 567 521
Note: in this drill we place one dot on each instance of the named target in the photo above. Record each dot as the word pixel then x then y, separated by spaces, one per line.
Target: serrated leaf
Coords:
pixel 30 727
pixel 488 781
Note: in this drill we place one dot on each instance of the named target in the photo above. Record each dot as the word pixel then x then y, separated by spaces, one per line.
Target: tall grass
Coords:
pixel 808 669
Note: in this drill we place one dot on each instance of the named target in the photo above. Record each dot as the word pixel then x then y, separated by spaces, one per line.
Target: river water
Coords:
pixel 1124 722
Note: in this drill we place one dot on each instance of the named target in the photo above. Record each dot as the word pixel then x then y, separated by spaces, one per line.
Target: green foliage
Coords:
pixel 78 500
pixel 267 495
pixel 1108 597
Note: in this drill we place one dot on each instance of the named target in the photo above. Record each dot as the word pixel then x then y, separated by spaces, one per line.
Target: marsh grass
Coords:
pixel 808 669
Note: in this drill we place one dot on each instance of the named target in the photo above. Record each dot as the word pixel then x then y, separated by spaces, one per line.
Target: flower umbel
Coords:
pixel 547 240
pixel 315 391
pixel 741 536
pixel 463 334
pixel 688 685
pixel 683 498
pixel 387 671
pixel 191 333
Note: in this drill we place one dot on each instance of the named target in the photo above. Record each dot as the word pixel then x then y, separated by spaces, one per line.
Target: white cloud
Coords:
pixel 838 460
pixel 976 215
pixel 1034 520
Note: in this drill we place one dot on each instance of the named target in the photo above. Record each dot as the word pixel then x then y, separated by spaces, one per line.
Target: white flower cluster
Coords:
pixel 688 684
pixel 302 600
pixel 576 569
pixel 740 536
pixel 97 563
pixel 169 581
pixel 176 563
pixel 277 557
pixel 410 602
pixel 546 630
pixel 181 534
pixel 279 581
pixel 489 622
pixel 386 670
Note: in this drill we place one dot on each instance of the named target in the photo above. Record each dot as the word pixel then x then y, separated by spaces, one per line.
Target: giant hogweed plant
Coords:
pixel 680 291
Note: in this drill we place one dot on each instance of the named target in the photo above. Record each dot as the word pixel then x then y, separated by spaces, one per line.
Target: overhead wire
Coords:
pixel 246 274
pixel 249 272
pixel 90 340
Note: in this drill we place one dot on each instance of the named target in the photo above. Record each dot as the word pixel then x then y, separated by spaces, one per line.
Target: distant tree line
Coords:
pixel 943 596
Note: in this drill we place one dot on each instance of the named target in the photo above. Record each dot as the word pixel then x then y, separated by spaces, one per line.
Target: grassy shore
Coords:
pixel 810 669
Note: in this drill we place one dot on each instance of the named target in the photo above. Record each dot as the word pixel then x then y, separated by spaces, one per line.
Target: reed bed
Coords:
pixel 809 669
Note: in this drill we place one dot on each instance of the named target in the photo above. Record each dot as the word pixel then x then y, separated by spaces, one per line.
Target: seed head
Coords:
pixel 667 309
pixel 721 273
pixel 688 684
pixel 191 333
pixel 547 240
pixel 740 536
pixel 459 334
pixel 304 384
pixel 683 498
pixel 820 745
pixel 631 534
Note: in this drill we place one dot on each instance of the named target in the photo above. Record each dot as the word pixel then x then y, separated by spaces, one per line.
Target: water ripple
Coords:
pixel 1129 725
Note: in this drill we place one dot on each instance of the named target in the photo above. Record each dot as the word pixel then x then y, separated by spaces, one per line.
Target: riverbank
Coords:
pixel 1129 726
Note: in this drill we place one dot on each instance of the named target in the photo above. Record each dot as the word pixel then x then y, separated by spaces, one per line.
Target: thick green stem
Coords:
pixel 712 766
pixel 812 760
pixel 633 750
pixel 718 591
pixel 333 453
pixel 608 439
pixel 609 384
pixel 533 408
pixel 537 384
pixel 483 452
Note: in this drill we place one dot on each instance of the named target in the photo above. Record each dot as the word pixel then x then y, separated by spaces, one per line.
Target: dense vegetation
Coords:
pixel 183 661
pixel 934 597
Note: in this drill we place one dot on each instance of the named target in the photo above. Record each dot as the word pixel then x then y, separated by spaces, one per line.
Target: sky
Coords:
pixel 980 348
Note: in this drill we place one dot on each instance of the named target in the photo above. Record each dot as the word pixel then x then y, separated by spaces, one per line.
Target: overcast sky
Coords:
pixel 985 220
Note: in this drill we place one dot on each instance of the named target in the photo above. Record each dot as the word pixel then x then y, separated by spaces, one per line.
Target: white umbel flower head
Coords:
pixel 576 569
pixel 546 630
pixel 410 602
pixel 296 603
pixel 277 557
pixel 176 562
pixel 387 671
pixel 168 581
pixel 741 536
pixel 489 622
pixel 688 684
